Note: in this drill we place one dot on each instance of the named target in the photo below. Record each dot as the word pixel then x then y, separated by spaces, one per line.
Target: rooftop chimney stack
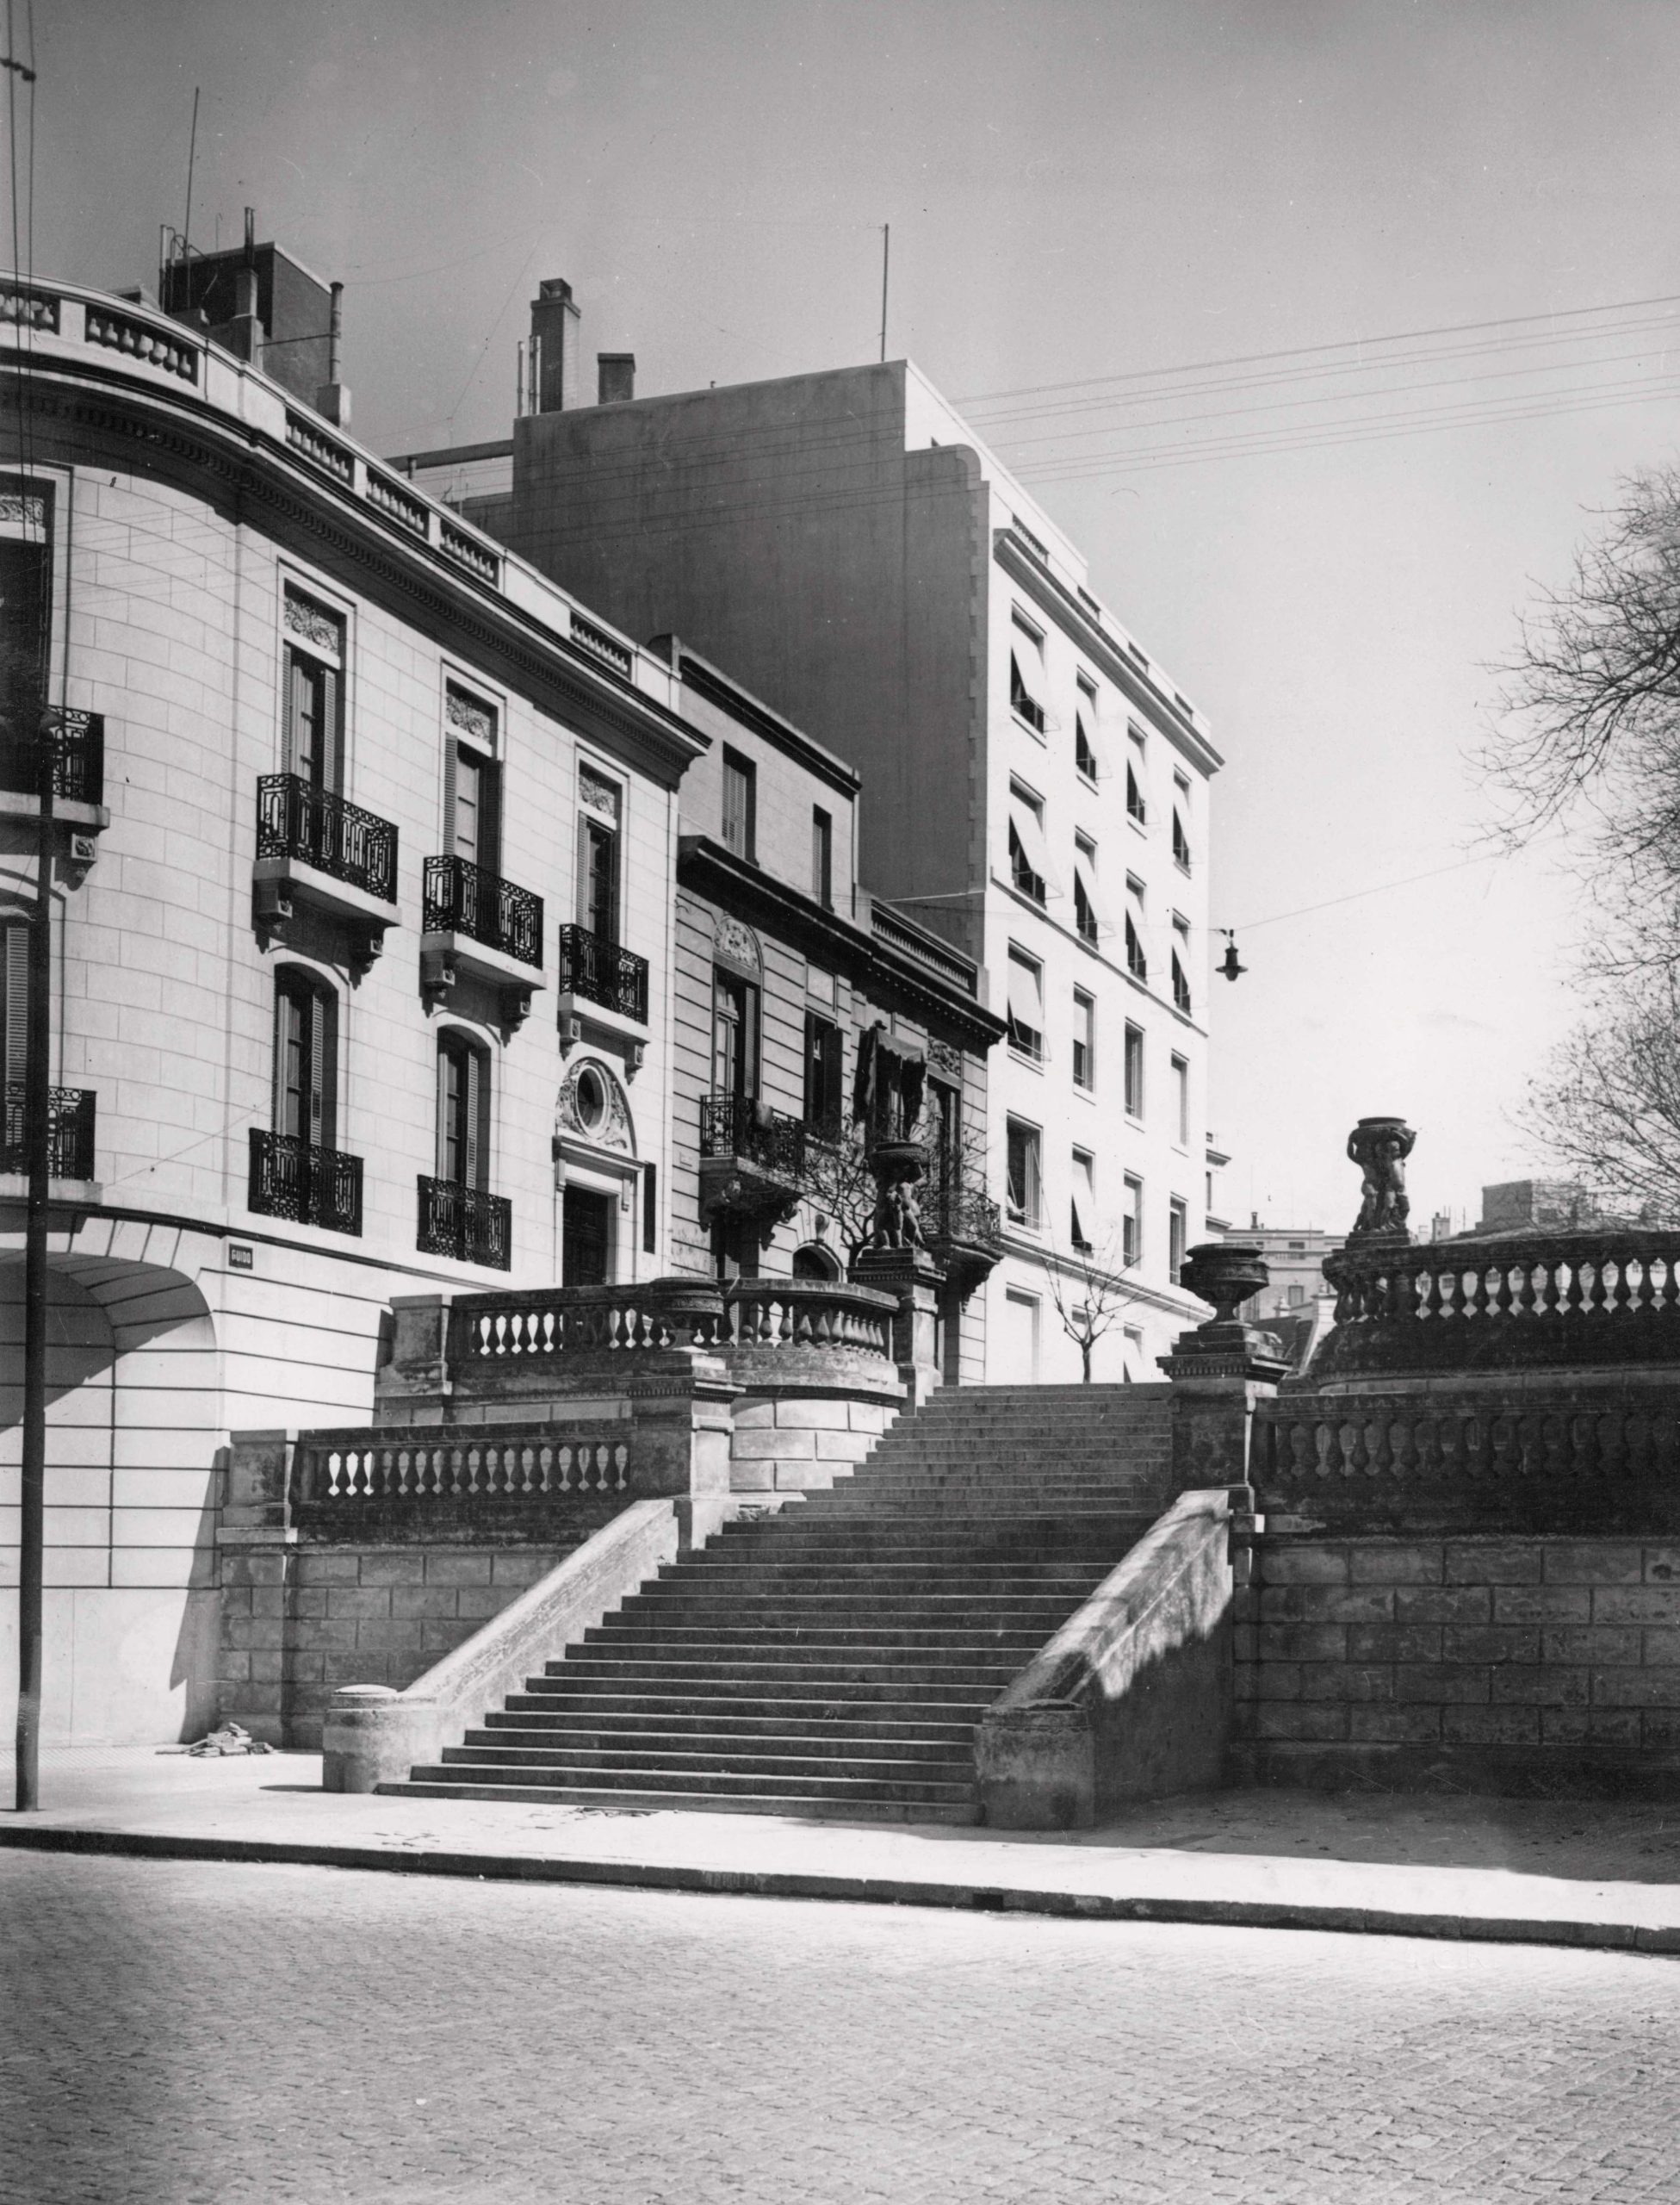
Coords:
pixel 555 325
pixel 246 332
pixel 616 378
pixel 332 398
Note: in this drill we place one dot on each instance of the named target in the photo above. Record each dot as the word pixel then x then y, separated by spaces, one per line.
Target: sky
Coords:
pixel 1079 191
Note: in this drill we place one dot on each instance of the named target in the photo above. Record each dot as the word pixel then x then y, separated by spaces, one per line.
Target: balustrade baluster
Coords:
pixel 621 1455
pixel 1645 1293
pixel 565 1470
pixel 1526 1297
pixel 1595 1295
pixel 1503 1297
pixel 1621 1292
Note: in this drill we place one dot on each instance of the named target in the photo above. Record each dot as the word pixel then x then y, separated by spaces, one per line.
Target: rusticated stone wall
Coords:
pixel 1518 1663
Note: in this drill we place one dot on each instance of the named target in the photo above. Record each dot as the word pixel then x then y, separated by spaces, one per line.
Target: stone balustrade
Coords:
pixel 799 1312
pixel 486 1330
pixel 1503 1302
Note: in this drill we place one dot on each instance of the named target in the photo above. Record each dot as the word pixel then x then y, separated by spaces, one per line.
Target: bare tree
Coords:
pixel 839 1181
pixel 1088 1291
pixel 1607 1106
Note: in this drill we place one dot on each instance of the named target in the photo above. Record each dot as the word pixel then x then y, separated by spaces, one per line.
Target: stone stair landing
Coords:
pixel 833 1660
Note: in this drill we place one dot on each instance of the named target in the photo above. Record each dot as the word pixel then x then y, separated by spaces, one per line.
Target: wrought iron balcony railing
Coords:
pixel 69 1135
pixel 295 820
pixel 292 1177
pixel 460 897
pixel 951 1211
pixel 466 1223
pixel 734 1125
pixel 600 972
pixel 78 755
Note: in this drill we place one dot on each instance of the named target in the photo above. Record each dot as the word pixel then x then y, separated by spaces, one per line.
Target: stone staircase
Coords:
pixel 833 1660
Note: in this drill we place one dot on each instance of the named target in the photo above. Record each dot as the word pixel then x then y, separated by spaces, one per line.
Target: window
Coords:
pixel 1131 1352
pixel 306 1049
pixel 14 1010
pixel 1026 1004
pixel 1084 1040
pixel 1177 1235
pixel 464 1112
pixel 1181 964
pixel 1137 807
pixel 1134 1072
pixel 822 857
pixel 1084 888
pixel 822 1076
pixel 1027 643
pixel 1085 718
pixel 1027 864
pixel 1136 963
pixel 599 808
pixel 314 692
pixel 26 587
pixel 1296 1296
pixel 740 806
pixel 472 783
pixel 1083 1222
pixel 1026 1177
pixel 734 1035
pixel 1131 1223
pixel 1181 838
pixel 1181 1101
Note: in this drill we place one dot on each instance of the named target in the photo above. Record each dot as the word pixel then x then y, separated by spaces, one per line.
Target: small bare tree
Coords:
pixel 1607 1106
pixel 1088 1291
pixel 839 1181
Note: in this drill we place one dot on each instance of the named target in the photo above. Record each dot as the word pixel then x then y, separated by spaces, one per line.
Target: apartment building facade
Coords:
pixel 1035 788
pixel 362 943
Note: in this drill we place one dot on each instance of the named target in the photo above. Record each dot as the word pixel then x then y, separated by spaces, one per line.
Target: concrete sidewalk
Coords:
pixel 1566 1872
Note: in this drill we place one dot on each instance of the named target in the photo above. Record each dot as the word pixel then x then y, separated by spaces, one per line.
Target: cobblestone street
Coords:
pixel 176 2032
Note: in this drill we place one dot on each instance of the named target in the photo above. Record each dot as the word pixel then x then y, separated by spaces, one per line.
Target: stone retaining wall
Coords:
pixel 801 1445
pixel 1516 1664
pixel 299 1621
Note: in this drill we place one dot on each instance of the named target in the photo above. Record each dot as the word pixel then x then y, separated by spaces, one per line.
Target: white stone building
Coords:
pixel 1035 785
pixel 361 951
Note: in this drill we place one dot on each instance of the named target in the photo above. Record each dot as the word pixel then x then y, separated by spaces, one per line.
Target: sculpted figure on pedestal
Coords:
pixel 1381 1146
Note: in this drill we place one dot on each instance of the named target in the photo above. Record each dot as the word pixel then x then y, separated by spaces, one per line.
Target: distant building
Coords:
pixel 1035 786
pixel 1295 1256
pixel 1540 1206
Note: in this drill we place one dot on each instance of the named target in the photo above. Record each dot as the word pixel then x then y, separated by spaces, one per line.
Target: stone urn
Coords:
pixel 693 1307
pixel 1226 1273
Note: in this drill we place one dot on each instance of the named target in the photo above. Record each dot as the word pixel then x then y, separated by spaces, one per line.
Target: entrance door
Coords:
pixel 585 1237
pixel 1020 1339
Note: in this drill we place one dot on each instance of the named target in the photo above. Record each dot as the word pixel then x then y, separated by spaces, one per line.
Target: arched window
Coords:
pixel 815 1261
pixel 463 1111
pixel 306 1057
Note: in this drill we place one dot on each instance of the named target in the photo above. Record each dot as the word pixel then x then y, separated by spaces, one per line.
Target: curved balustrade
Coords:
pixel 584 1320
pixel 1513 1301
pixel 789 1313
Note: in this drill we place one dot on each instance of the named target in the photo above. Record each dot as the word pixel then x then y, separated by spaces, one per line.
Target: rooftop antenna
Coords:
pixel 192 155
pixel 886 248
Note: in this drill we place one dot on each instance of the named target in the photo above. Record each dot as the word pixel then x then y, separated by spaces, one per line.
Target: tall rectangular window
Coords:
pixel 599 811
pixel 13 1006
pixel 1181 833
pixel 1182 965
pixel 1134 1072
pixel 740 800
pixel 1085 889
pixel 735 1036
pixel 1137 802
pixel 1028 866
pixel 1181 1101
pixel 1025 1168
pixel 472 782
pixel 305 1036
pixel 26 589
pixel 822 857
pixel 822 1076
pixel 1026 669
pixel 1084 1040
pixel 1132 1223
pixel 1082 1223
pixel 314 678
pixel 464 1112
pixel 1085 718
pixel 1026 1004
pixel 1178 1219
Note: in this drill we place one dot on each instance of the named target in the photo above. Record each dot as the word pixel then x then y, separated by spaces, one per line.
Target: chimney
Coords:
pixel 245 332
pixel 554 340
pixel 615 377
pixel 332 398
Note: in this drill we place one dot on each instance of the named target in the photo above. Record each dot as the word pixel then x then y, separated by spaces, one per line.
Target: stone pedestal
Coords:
pixel 917 1279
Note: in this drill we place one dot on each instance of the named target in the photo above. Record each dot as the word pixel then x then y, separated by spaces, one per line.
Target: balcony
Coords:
pixel 292 1177
pixel 466 1223
pixel 602 986
pixel 69 1137
pixel 78 740
pixel 963 1229
pixel 479 926
pixel 752 1159
pixel 315 849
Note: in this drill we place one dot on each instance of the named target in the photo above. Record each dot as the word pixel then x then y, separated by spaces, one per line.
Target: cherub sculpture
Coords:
pixel 1381 1146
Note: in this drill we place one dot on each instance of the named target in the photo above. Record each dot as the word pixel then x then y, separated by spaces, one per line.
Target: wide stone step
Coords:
pixel 723 1783
pixel 984 1580
pixel 647 1797
pixel 678 1608
pixel 786 1665
pixel 923 1728
pixel 734 1759
pixel 820 1634
pixel 564 1694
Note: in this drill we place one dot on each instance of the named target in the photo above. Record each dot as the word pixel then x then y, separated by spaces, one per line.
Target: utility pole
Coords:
pixel 886 249
pixel 38 1137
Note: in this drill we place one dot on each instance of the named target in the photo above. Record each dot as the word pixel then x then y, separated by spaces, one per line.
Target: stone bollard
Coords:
pixel 373 1735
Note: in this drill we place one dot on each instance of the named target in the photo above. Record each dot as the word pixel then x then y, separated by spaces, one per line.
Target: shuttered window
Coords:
pixel 14 1008
pixel 305 1042
pixel 464 1112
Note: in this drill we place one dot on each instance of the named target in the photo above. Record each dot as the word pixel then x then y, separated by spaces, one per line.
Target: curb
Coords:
pixel 871 1890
